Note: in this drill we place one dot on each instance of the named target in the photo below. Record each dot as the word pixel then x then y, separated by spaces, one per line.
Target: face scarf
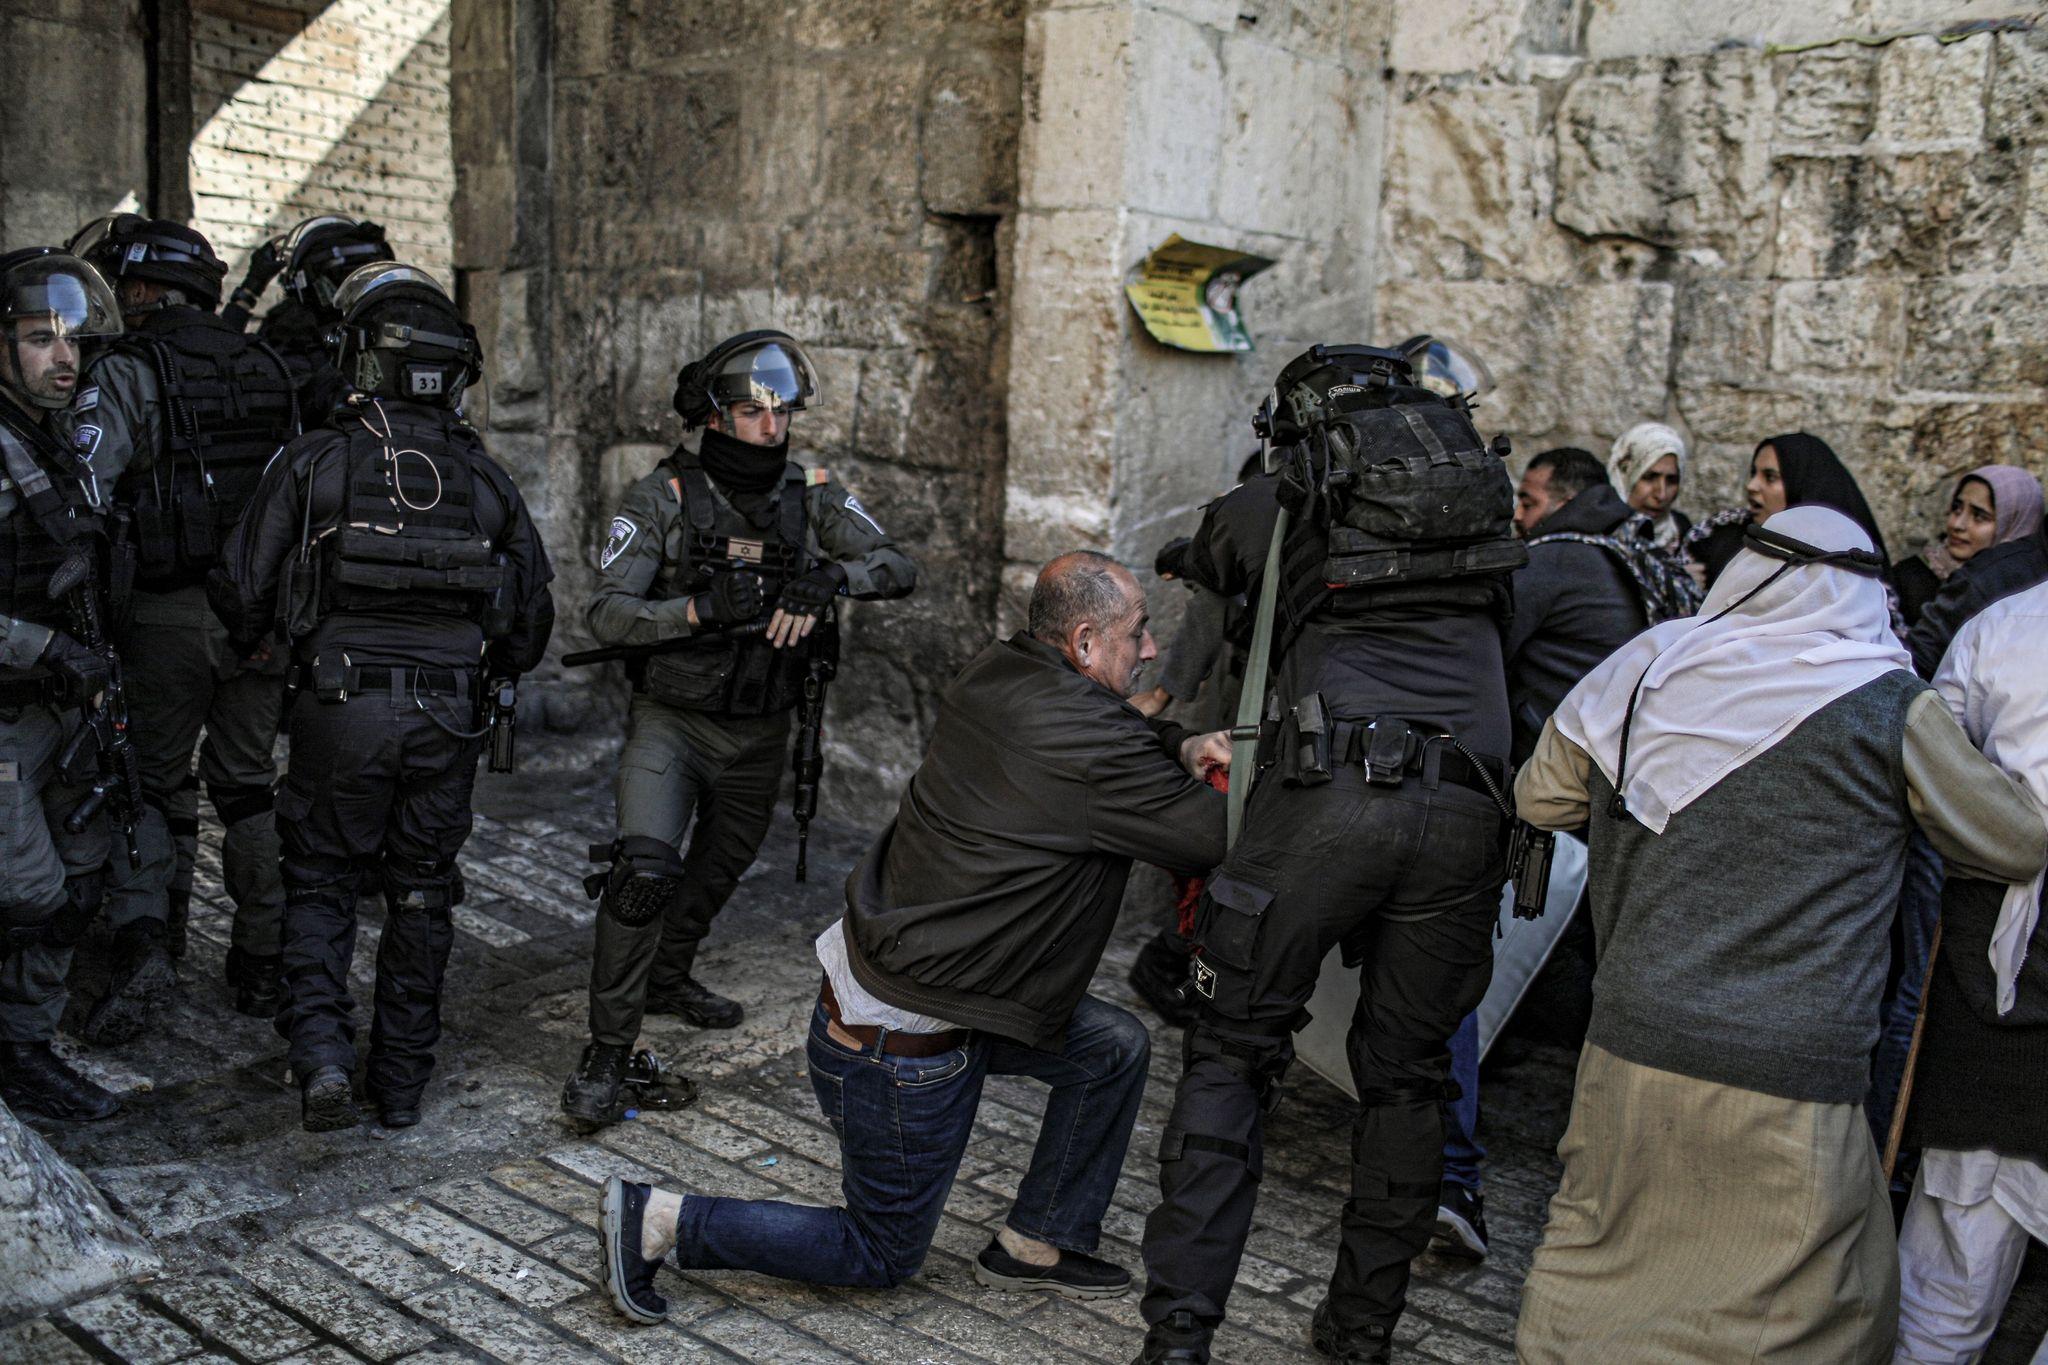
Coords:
pixel 1639 448
pixel 1815 477
pixel 1719 690
pixel 740 467
pixel 2015 502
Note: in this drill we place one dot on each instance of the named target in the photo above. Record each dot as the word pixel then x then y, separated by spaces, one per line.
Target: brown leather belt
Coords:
pixel 896 1044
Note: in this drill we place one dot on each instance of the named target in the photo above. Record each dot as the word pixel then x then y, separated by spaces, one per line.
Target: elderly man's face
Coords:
pixel 1115 652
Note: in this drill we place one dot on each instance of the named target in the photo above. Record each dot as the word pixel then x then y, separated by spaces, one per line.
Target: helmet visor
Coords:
pixel 63 291
pixel 385 278
pixel 1443 366
pixel 776 374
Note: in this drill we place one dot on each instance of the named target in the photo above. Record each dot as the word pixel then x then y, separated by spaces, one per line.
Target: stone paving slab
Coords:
pixel 472 1237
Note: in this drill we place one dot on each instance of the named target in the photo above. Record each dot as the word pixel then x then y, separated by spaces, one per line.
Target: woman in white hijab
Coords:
pixel 1647 467
pixel 1748 779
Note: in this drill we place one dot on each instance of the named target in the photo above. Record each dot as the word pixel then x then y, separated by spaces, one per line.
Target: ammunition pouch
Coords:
pixel 645 876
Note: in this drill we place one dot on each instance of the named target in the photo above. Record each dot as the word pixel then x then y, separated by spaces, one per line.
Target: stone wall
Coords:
pixel 640 178
pixel 1635 209
pixel 75 141
pixel 1252 126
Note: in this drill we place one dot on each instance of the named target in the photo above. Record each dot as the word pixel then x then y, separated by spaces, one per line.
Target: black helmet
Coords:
pixel 768 368
pixel 401 336
pixel 128 246
pixel 322 252
pixel 45 283
pixel 1324 381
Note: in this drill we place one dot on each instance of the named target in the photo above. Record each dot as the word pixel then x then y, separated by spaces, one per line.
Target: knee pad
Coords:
pixel 643 881
pixel 236 804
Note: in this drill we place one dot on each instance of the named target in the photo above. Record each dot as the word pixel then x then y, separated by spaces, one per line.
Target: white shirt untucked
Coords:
pixel 856 1006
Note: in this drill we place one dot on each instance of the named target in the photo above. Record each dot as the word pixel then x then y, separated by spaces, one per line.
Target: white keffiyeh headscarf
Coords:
pixel 1638 448
pixel 1723 687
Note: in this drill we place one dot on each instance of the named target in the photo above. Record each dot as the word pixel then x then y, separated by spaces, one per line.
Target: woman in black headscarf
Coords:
pixel 1793 470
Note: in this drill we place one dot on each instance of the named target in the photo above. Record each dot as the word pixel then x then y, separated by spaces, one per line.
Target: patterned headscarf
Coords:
pixel 1638 448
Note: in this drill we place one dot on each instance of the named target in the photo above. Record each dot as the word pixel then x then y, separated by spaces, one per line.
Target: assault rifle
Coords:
pixel 119 784
pixel 703 639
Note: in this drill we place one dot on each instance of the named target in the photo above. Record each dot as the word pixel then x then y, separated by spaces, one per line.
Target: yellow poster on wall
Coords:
pixel 1186 294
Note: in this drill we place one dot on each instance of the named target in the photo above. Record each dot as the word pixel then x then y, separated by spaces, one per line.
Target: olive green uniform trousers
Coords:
pixel 679 767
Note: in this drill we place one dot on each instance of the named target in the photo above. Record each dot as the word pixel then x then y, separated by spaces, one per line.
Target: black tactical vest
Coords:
pixel 227 406
pixel 409 538
pixel 35 539
pixel 746 677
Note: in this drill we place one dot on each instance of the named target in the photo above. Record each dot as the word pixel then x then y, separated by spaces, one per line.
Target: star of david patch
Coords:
pixel 615 544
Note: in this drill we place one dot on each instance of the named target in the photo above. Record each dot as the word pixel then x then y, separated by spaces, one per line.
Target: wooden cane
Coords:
pixel 1898 1129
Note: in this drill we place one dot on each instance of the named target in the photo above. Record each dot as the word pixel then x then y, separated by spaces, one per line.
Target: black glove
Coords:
pixel 84 672
pixel 1172 559
pixel 813 592
pixel 732 599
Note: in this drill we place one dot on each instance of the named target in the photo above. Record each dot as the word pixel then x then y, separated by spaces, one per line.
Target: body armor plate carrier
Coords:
pixel 227 407
pixel 409 538
pixel 745 677
pixel 35 538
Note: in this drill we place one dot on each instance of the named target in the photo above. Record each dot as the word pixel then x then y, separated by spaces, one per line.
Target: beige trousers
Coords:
pixel 1704 1222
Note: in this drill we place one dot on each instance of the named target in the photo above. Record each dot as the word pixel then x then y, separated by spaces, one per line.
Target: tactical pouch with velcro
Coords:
pixel 196 530
pixel 1388 747
pixel 1304 748
pixel 331 675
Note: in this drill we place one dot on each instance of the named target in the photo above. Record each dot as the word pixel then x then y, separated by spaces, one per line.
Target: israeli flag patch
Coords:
pixel 615 544
pixel 85 440
pixel 87 400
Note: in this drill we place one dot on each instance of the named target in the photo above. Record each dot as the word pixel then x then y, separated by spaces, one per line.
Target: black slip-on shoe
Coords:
pixel 1073 1276
pixel 628 1276
pixel 1460 1222
pixel 325 1102
pixel 1178 1340
pixel 1370 1345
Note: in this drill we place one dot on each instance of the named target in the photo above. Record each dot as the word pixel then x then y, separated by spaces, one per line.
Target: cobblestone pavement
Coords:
pixel 470 1236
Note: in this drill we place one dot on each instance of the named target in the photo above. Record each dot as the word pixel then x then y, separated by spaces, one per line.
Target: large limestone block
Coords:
pixel 1836 329
pixel 1076 75
pixel 972 111
pixel 1671 152
pixel 1468 183
pixel 1586 358
pixel 1642 28
pixel 1289 165
pixel 58 1238
pixel 1176 116
pixel 1827 96
pixel 2019 88
pixel 1723 333
pixel 1922 213
pixel 1928 91
pixel 1975 336
pixel 1455 35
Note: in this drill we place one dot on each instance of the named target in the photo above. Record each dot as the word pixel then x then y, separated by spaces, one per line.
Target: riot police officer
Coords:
pixel 398 562
pixel 1377 824
pixel 313 259
pixel 200 407
pixel 52 501
pixel 734 542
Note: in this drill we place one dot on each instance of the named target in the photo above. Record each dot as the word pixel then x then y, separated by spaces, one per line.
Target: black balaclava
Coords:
pixel 1815 476
pixel 739 466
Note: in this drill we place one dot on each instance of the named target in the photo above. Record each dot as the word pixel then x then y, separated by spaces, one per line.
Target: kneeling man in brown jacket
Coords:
pixel 972 928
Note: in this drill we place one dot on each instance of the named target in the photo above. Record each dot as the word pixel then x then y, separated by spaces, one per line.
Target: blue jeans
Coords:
pixel 903 1124
pixel 1462 1152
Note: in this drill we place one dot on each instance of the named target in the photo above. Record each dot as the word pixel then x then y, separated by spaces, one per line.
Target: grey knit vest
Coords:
pixel 1747 943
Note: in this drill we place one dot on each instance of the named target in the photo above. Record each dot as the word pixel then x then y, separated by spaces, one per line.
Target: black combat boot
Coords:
pixel 35 1081
pixel 591 1097
pixel 326 1102
pixel 1179 1340
pixel 258 982
pixel 696 1003
pixel 1160 976
pixel 142 984
pixel 175 922
pixel 1372 1344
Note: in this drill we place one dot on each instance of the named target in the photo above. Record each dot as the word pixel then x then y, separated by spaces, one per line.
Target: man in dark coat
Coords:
pixel 1574 601
pixel 972 929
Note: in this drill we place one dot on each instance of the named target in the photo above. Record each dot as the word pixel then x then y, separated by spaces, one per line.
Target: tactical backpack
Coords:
pixel 1665 589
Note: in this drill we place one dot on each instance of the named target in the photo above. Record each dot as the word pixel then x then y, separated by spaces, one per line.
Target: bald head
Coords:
pixel 1091 609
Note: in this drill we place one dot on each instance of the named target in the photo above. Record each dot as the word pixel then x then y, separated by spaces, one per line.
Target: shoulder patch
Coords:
pixel 853 506
pixel 622 532
pixel 817 476
pixel 88 399
pixel 85 440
